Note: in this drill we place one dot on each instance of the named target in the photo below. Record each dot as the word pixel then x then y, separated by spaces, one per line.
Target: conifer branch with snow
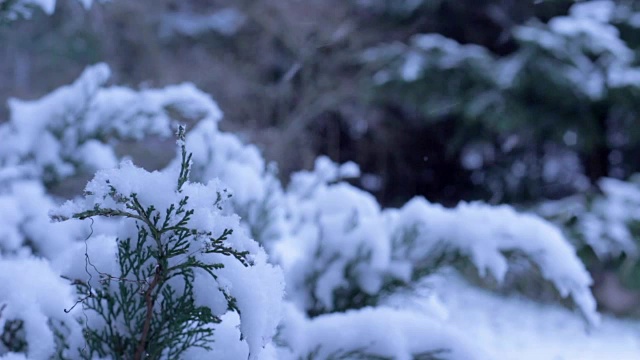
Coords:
pixel 165 244
pixel 151 307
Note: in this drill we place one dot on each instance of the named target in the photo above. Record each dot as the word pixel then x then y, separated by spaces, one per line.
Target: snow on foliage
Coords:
pixel 343 246
pixel 256 191
pixel 24 220
pixel 606 222
pixel 588 46
pixel 586 56
pixel 24 8
pixel 339 250
pixel 344 260
pixel 586 28
pixel 227 22
pixel 67 131
pixel 467 73
pixel 241 280
pixel 372 333
pixel 352 250
pixel 585 49
pixel 425 52
pixel 32 297
pixel 484 234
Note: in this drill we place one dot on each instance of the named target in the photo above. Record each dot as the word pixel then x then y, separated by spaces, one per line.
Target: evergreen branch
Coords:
pixel 183 177
pixel 143 284
pixel 149 300
pixel 135 205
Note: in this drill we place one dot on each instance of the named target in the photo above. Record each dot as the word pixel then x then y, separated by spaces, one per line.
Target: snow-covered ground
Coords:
pixel 515 328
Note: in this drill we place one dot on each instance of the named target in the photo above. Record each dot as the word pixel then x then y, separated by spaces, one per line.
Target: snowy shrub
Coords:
pixel 344 252
pixel 73 131
pixel 488 236
pixel 32 293
pixel 177 267
pixel 169 263
pixel 76 127
pixel 608 223
pixel 340 251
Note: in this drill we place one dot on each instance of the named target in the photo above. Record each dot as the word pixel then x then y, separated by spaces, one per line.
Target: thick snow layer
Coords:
pixel 369 332
pixel 24 216
pixel 513 328
pixel 331 239
pixel 338 240
pixel 257 192
pixel 335 237
pixel 224 156
pixel 62 132
pixel 32 292
pixel 258 290
pixel 484 233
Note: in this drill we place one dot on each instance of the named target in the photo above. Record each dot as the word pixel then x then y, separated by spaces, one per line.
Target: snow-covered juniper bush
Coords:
pixel 162 265
pixel 174 238
pixel 168 251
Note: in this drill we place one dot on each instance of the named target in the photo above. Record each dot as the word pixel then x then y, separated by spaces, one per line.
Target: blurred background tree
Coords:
pixel 506 101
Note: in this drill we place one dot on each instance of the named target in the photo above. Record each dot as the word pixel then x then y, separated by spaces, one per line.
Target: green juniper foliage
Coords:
pixel 158 320
pixel 12 336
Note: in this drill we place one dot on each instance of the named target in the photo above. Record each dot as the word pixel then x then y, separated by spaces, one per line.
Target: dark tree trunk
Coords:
pixel 598 163
pixel 597 160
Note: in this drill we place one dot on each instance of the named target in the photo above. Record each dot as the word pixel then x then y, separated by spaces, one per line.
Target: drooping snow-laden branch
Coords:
pixel 75 128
